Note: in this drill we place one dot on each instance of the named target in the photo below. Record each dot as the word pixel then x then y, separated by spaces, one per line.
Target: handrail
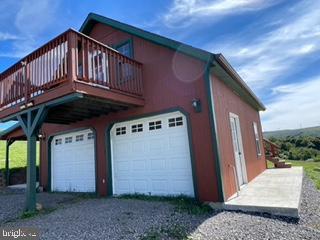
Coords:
pixel 35 51
pixel 102 65
pixel 271 149
pixel 271 143
pixel 69 57
pixel 39 71
pixel 100 43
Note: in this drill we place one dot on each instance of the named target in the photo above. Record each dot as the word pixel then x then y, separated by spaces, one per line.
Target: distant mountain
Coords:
pixel 311 131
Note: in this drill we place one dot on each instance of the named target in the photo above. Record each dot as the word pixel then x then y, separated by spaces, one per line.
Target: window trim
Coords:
pixel 58 141
pixel 122 131
pixel 175 122
pixel 130 41
pixel 257 138
pixel 137 128
pixel 155 125
pixel 68 140
pixel 90 136
pixel 79 138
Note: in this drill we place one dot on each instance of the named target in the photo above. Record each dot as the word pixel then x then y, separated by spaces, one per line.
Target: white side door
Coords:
pixel 238 149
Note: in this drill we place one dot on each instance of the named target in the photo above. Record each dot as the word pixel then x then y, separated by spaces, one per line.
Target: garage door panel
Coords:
pixel 137 146
pixel 175 141
pixel 122 166
pixel 159 186
pixel 123 186
pixel 156 145
pixel 158 164
pixel 123 149
pixel 181 187
pixel 179 163
pixel 151 161
pixel 140 186
pixel 139 165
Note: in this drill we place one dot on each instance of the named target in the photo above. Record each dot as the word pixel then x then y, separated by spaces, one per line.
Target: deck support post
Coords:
pixel 31 122
pixel 9 142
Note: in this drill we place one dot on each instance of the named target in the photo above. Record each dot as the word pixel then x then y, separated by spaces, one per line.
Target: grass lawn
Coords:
pixel 18 154
pixel 312 169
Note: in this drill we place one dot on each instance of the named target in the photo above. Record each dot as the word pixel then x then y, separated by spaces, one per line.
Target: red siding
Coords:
pixel 227 101
pixel 17 134
pixel 170 80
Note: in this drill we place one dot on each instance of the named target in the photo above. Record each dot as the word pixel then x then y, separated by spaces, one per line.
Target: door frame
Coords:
pixel 242 157
pixel 151 114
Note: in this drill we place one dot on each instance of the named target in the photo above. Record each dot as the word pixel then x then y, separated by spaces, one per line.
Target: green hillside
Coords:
pixel 18 154
pixel 311 131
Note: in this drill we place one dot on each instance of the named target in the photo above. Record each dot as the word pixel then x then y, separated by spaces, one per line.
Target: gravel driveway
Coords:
pixel 12 202
pixel 136 219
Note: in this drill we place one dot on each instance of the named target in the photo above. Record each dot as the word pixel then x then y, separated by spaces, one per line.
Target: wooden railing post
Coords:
pixel 26 81
pixel 272 150
pixel 140 80
pixel 72 47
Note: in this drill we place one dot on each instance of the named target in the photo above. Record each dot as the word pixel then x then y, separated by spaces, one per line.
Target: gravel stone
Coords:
pixel 238 225
pixel 12 202
pixel 112 218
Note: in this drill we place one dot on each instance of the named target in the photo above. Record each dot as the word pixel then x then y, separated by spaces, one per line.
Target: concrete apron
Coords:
pixel 21 186
pixel 275 191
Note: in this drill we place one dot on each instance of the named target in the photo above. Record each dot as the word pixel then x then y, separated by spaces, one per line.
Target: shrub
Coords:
pixel 317 158
pixel 302 153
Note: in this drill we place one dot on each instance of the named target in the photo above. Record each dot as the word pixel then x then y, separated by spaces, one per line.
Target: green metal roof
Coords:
pixel 228 74
pixel 9 130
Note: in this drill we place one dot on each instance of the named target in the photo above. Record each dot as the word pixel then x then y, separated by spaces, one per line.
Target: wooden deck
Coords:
pixel 71 63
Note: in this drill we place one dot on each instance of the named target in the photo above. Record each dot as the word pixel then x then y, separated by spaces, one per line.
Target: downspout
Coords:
pixel 214 133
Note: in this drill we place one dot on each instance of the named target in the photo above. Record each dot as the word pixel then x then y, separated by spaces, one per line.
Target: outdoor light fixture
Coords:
pixel 196 104
pixel 41 136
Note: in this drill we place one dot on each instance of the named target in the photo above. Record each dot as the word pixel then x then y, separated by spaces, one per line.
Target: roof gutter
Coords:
pixel 235 76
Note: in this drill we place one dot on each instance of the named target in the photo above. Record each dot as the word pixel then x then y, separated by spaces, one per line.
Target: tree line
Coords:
pixel 298 147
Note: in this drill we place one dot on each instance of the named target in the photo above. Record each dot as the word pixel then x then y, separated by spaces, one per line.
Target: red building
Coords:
pixel 121 110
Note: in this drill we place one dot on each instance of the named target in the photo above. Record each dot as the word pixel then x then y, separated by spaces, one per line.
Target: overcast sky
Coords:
pixel 274 44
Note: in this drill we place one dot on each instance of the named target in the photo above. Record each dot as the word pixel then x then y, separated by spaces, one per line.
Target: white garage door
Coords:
pixel 152 156
pixel 73 162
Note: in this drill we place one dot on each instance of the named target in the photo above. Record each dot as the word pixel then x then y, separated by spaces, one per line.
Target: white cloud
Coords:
pixel 7 36
pixel 184 12
pixel 288 88
pixel 285 49
pixel 34 16
pixel 294 106
pixel 32 19
pixel 20 48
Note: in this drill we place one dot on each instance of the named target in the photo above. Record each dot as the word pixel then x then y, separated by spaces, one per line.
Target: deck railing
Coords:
pixel 72 56
pixel 271 150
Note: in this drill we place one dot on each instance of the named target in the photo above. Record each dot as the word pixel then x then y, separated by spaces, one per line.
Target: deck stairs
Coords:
pixel 272 154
